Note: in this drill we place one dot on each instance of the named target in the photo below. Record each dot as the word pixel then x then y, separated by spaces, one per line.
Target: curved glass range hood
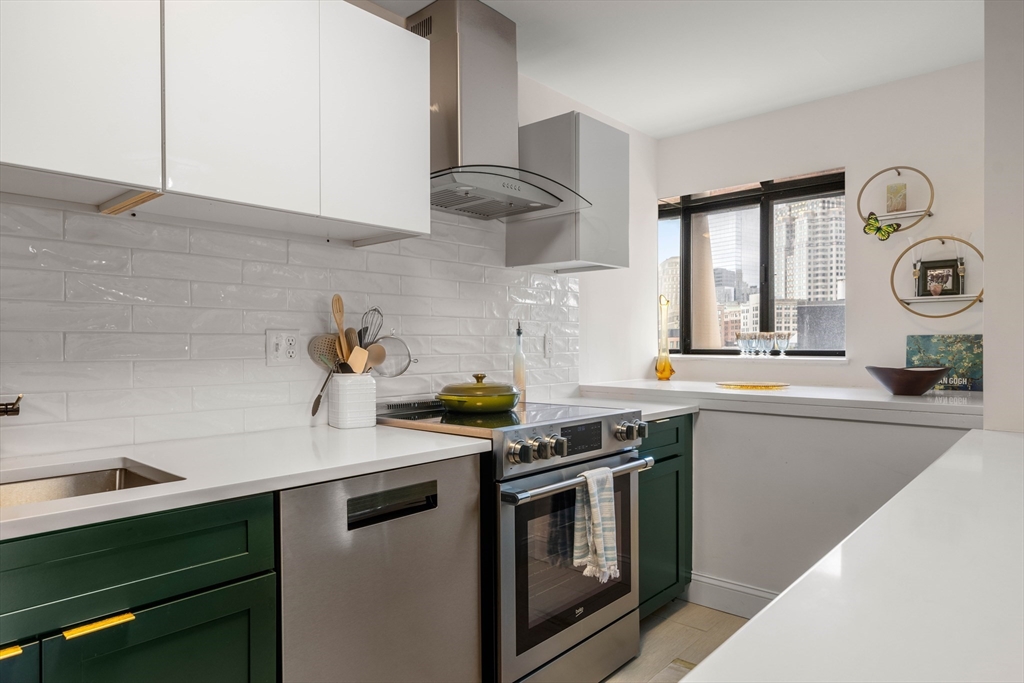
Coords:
pixel 489 192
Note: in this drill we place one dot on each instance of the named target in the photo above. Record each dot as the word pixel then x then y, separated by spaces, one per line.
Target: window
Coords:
pixel 766 257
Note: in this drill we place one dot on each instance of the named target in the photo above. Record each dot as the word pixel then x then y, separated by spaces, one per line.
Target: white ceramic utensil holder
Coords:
pixel 352 401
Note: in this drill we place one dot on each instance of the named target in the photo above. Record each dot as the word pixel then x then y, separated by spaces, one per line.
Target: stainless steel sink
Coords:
pixel 130 475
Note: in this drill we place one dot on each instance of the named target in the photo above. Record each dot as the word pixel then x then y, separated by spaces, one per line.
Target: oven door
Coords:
pixel 547 605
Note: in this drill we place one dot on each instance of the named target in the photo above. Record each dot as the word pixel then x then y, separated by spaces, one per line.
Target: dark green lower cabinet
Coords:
pixel 227 634
pixel 666 520
pixel 22 667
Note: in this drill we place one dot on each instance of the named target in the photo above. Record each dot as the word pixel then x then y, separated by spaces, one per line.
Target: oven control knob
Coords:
pixel 641 428
pixel 626 431
pixel 558 445
pixel 541 448
pixel 520 452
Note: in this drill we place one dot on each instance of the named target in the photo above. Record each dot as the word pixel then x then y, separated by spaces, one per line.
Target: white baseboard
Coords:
pixel 727 596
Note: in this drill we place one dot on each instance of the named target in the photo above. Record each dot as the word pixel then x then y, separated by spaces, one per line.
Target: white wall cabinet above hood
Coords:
pixel 592 159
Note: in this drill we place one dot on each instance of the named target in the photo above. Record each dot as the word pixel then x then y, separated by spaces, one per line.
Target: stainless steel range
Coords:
pixel 542 619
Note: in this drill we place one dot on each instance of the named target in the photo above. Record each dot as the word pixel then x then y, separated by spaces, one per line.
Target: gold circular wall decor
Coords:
pixel 931 189
pixel 892 277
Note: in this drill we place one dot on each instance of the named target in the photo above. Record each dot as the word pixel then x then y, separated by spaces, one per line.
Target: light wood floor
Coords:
pixel 675 639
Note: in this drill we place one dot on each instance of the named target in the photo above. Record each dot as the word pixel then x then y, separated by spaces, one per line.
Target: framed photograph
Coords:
pixel 939 278
pixel 895 197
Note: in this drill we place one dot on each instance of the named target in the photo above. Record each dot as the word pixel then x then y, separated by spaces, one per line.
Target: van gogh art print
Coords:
pixel 962 352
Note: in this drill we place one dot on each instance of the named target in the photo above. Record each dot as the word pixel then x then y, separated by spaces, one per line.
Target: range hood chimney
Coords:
pixel 474 117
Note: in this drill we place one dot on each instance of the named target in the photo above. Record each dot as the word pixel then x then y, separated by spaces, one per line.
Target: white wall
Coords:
pixel 1004 214
pixel 119 331
pixel 933 122
pixel 618 308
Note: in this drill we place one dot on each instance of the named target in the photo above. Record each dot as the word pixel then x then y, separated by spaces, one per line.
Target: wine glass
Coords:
pixel 782 339
pixel 765 342
pixel 743 342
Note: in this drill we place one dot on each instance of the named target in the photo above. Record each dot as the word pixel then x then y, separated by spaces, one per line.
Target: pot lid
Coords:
pixel 478 388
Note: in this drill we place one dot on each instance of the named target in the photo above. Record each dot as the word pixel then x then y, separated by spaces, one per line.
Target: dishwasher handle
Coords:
pixel 383 506
pixel 519 497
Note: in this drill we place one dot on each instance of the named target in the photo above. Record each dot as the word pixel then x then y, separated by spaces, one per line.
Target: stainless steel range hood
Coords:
pixel 474 118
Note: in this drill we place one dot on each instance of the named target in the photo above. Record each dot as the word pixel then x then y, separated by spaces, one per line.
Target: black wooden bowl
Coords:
pixel 907 381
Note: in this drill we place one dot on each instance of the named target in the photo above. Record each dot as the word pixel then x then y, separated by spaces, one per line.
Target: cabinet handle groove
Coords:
pixel 9 652
pixel 98 625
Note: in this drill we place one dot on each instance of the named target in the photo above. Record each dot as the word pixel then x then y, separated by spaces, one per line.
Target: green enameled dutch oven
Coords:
pixel 479 396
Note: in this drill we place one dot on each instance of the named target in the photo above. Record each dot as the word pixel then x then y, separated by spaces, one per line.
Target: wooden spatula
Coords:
pixel 357 359
pixel 338 308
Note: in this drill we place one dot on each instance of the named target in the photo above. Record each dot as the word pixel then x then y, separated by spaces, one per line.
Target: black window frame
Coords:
pixel 761 196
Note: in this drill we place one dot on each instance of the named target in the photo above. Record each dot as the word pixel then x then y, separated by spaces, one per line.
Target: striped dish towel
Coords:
pixel 594 526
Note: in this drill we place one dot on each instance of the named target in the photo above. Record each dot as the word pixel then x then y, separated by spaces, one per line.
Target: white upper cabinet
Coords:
pixel 242 101
pixel 374 120
pixel 80 88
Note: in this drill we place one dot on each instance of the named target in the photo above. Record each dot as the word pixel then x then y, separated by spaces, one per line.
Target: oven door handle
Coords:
pixel 514 497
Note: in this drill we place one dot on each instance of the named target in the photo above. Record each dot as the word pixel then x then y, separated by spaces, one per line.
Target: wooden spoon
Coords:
pixel 375 356
pixel 352 338
pixel 338 308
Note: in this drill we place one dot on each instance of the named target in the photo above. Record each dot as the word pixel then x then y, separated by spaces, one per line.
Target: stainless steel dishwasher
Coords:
pixel 380 576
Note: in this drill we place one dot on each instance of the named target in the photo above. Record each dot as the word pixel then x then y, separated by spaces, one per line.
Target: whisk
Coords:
pixel 371 323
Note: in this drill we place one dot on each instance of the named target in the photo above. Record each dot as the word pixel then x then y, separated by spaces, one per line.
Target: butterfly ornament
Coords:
pixel 875 227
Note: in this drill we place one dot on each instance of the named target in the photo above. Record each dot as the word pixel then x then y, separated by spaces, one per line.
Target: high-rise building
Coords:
pixel 668 285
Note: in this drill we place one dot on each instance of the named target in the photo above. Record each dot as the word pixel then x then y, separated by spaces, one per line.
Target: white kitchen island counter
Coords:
pixel 929 588
pixel 221 467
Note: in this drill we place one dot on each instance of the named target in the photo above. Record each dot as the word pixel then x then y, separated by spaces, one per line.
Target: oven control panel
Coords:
pixel 528 449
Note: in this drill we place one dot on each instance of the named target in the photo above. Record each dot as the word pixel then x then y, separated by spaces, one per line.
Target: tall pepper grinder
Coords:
pixel 519 364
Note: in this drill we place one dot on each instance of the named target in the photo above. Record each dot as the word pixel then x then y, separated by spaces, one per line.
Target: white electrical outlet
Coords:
pixel 549 345
pixel 282 347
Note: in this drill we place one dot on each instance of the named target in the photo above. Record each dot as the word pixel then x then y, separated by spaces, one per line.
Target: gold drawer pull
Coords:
pixel 12 651
pixel 98 625
pixel 658 422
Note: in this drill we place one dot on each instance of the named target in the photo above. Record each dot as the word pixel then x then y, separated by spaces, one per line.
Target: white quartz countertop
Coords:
pixel 929 588
pixel 221 467
pixel 955 409
pixel 650 410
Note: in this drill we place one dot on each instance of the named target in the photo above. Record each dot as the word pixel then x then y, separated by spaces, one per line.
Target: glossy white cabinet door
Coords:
pixel 375 120
pixel 80 88
pixel 242 101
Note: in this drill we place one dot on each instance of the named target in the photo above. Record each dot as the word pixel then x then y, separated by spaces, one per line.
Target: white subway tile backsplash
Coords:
pixel 216 295
pixel 187 373
pixel 162 333
pixel 186 266
pixel 32 252
pixel 96 405
pixel 231 245
pixel 188 425
pixel 229 346
pixel 419 286
pixel 325 255
pixel 165 319
pixel 397 265
pixel 45 315
pixel 64 436
pixel 240 396
pixel 18 378
pixel 36 409
pixel 31 221
pixel 124 346
pixel 362 281
pixel 131 290
pixel 27 347
pixel 124 232
pixel 283 275
pixel 43 285
pixel 415 324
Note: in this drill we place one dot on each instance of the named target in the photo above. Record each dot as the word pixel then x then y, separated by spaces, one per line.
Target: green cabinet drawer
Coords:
pixel 227 634
pixel 668 437
pixel 20 663
pixel 665 523
pixel 53 580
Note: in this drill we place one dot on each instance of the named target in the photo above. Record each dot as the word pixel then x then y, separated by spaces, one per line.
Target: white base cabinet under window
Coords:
pixel 80 91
